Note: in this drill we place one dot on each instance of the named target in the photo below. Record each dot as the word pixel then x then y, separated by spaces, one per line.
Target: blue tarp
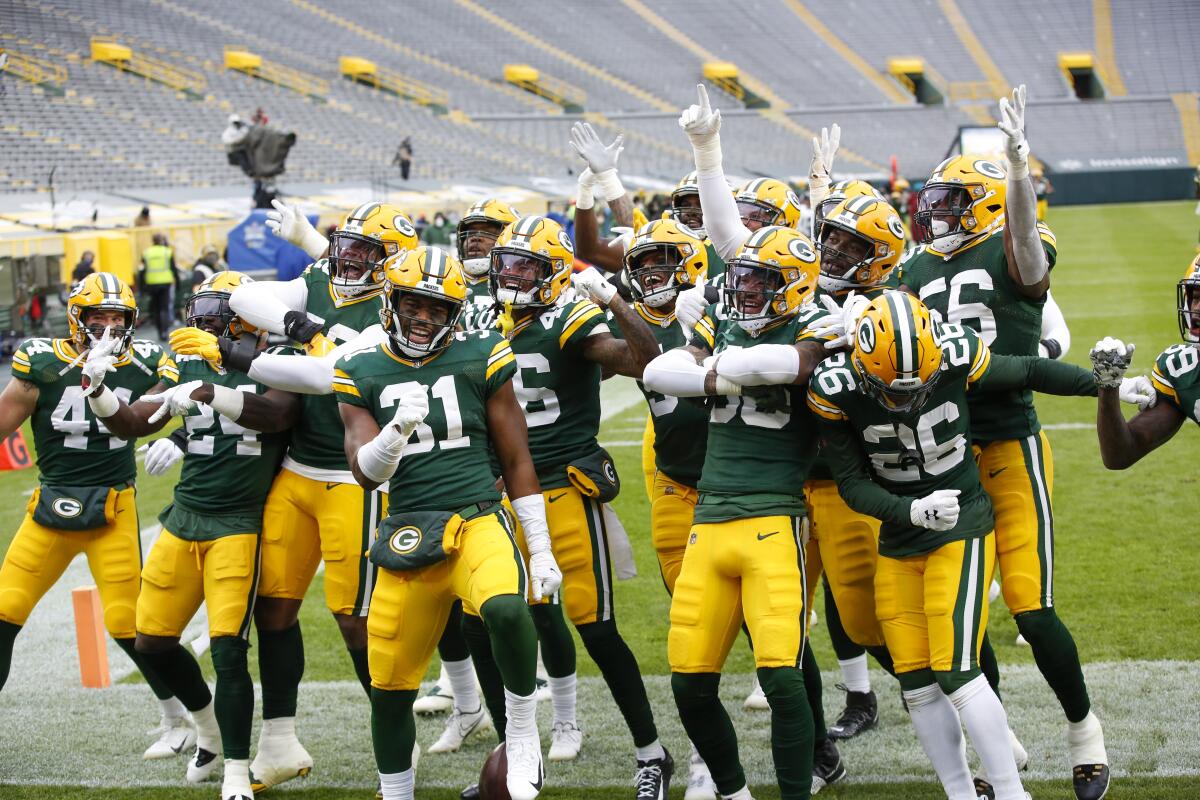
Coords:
pixel 252 247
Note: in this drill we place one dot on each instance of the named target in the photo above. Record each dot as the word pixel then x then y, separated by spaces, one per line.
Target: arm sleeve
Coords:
pixel 309 374
pixel 264 304
pixel 675 373
pixel 853 475
pixel 1054 329
pixel 765 364
pixel 1021 220
pixel 1039 374
pixel 721 218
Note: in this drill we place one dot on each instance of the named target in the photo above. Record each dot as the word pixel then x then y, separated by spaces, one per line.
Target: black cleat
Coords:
pixel 861 714
pixel 827 765
pixel 1091 781
pixel 984 789
pixel 653 778
pixel 470 793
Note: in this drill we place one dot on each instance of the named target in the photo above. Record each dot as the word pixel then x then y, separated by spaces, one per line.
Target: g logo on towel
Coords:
pixel 67 507
pixel 405 540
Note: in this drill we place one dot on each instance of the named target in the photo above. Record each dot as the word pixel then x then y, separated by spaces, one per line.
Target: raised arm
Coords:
pixel 272 305
pixel 598 179
pixel 1027 263
pixel 721 219
pixel 628 356
pixel 1124 443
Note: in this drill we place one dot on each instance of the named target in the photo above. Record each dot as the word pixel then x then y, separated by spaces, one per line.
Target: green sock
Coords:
pixel 989 665
pixel 180 672
pixel 1057 658
pixel 623 676
pixel 393 729
pixel 361 670
pixel 709 727
pixel 514 641
pixel 280 668
pixel 234 702
pixel 480 645
pixel 558 646
pixel 843 646
pixel 792 730
pixel 452 646
pixel 8 635
pixel 812 686
pixel 160 689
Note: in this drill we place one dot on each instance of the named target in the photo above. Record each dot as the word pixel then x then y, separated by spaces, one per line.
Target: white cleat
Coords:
pixel 565 741
pixel 203 764
pixel 1020 641
pixel 438 700
pixel 525 770
pixel 176 736
pixel 756 700
pixel 459 727
pixel 993 591
pixel 1019 753
pixel 279 758
pixel 700 784
pixel 236 788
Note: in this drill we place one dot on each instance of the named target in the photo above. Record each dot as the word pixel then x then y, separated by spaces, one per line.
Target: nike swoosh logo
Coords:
pixel 556 498
pixel 994 472
pixel 762 536
pixel 178 749
pixel 331 486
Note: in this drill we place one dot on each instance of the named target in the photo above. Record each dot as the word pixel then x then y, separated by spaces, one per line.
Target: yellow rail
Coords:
pixel 109 51
pixel 557 91
pixel 254 65
pixel 34 69
pixel 361 70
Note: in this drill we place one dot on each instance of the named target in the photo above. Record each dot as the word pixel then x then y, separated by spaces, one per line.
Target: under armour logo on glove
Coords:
pixel 938 511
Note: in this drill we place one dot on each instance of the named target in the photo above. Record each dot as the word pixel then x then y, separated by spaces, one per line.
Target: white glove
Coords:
pixel 293 227
pixel 176 401
pixel 1110 358
pixel 411 410
pixel 824 149
pixel 592 283
pixel 938 511
pixel 1138 391
pixel 161 455
pixel 587 144
pixel 841 322
pixel 1012 122
pixel 101 360
pixel 623 238
pixel 544 575
pixel 689 308
pixel 702 126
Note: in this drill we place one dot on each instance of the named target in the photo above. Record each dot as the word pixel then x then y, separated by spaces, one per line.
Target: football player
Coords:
pixel 208 550
pixel 745 553
pixel 986 264
pixel 895 427
pixel 562 348
pixel 1175 395
pixel 85 501
pixel 315 511
pixel 446 535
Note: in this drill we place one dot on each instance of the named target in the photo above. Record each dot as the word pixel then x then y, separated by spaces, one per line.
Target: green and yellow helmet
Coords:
pixel 962 200
pixel 478 231
pixel 763 202
pixel 770 278
pixel 366 238
pixel 100 291
pixel 208 309
pixel 896 352
pixel 424 295
pixel 531 263
pixel 664 258
pixel 1187 291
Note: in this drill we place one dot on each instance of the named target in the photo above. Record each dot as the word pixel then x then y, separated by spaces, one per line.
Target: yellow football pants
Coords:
pixel 934 607
pixel 179 574
pixel 306 521
pixel 409 610
pixel 1018 474
pixel 847 547
pixel 751 569
pixel 648 468
pixel 38 556
pixel 672 505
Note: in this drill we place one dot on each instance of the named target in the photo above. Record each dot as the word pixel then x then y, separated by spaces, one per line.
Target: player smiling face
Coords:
pixel 422 317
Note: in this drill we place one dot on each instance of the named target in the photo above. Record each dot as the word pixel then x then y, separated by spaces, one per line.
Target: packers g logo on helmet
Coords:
pixel 478 231
pixel 101 291
pixel 424 297
pixel 531 263
pixel 763 202
pixel 664 257
pixel 405 540
pixel 962 200
pixel 772 276
pixel 357 249
pixel 1187 293
pixel 208 309
pixel 861 241
pixel 897 353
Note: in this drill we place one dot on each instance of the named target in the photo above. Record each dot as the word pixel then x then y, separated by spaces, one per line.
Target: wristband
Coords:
pixel 1053 348
pixel 584 197
pixel 378 458
pixel 531 512
pixel 227 402
pixel 104 403
pixel 608 185
pixel 238 354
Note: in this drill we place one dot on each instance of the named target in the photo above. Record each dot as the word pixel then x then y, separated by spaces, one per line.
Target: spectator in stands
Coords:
pixel 156 279
pixel 403 157
pixel 84 268
pixel 142 220
pixel 439 232
pixel 259 117
pixel 209 263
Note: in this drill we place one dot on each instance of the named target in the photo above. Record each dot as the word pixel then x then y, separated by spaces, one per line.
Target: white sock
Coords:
pixel 522 715
pixel 279 726
pixel 855 674
pixel 562 695
pixel 937 726
pixel 397 785
pixel 172 708
pixel 1085 741
pixel 443 680
pixel 461 675
pixel 987 725
pixel 741 794
pixel 208 733
pixel 237 768
pixel 651 752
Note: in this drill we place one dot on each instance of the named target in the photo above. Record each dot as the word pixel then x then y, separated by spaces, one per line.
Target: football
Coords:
pixel 493 778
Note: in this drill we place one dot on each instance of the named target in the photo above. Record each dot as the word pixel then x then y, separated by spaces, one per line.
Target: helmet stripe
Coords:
pixel 526 227
pixel 435 265
pixel 363 211
pixel 903 327
pixel 861 205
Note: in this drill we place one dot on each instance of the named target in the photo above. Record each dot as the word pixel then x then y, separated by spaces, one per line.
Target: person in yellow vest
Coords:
pixel 156 279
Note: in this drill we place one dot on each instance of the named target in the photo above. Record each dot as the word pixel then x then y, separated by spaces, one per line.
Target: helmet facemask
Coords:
pixel 656 273
pixel 419 323
pixel 750 294
pixel 475 242
pixel 88 333
pixel 756 214
pixel 903 396
pixel 687 214
pixel 846 257
pixel 519 278
pixel 356 262
pixel 1187 293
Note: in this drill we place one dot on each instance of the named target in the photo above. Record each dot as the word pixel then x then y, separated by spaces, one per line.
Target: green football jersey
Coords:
pixel 716 264
pixel 557 387
pixel 480 312
pixel 973 288
pixel 1176 376
pixel 680 423
pixel 227 468
pixel 73 446
pixel 760 445
pixel 907 455
pixel 446 465
pixel 317 440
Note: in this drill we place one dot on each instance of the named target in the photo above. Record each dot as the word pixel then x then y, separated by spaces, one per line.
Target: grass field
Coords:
pixel 1126 578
